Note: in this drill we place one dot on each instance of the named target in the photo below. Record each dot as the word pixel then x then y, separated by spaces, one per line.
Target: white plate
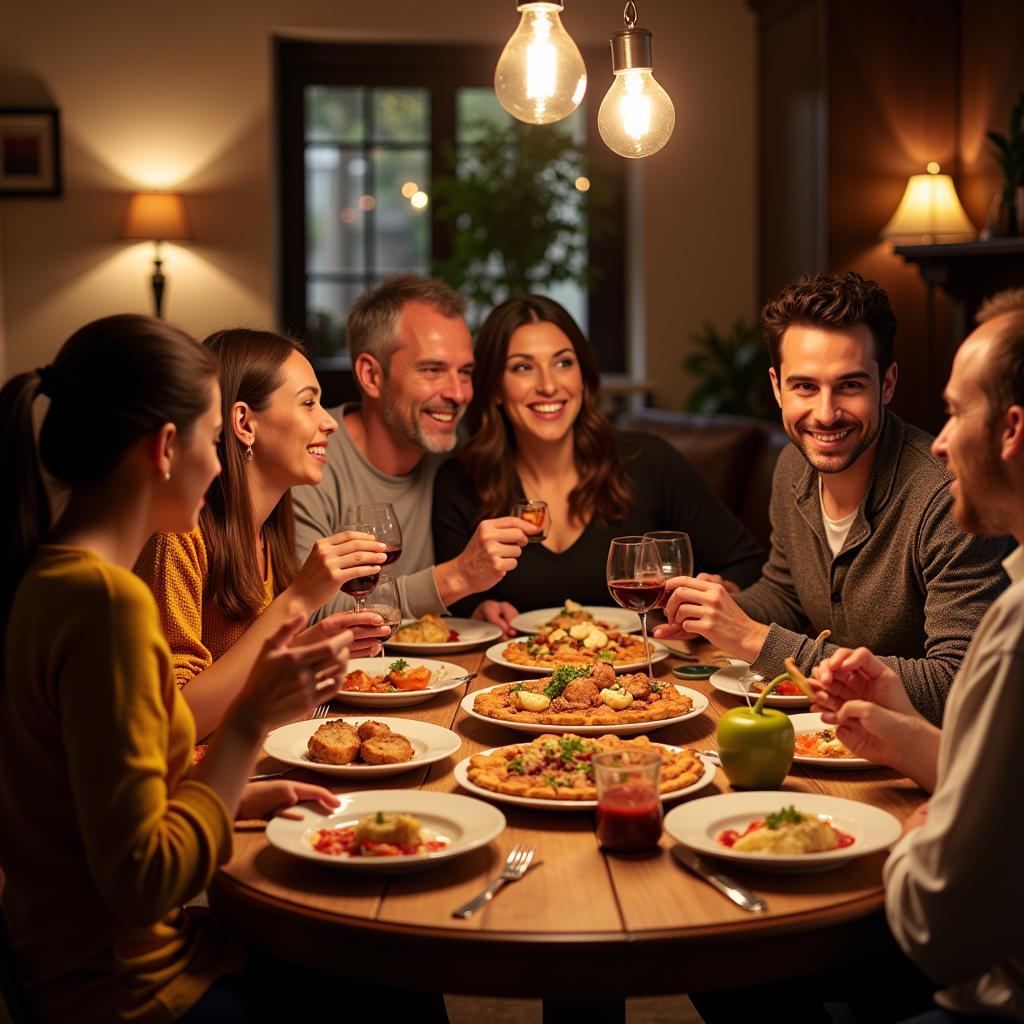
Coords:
pixel 446 676
pixel 658 653
pixel 700 705
pixel 467 822
pixel 696 824
pixel 621 619
pixel 472 633
pixel 431 743
pixel 462 778
pixel 811 722
pixel 727 680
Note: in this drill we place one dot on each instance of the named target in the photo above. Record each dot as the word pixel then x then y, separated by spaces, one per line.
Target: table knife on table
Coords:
pixel 728 887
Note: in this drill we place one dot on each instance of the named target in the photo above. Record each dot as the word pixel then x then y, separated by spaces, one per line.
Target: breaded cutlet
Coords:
pixel 388 749
pixel 334 742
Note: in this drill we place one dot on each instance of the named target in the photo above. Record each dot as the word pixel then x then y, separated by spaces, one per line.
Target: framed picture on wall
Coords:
pixel 30 151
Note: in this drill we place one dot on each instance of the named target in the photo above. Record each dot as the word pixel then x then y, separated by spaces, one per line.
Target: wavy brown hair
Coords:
pixel 250 368
pixel 489 456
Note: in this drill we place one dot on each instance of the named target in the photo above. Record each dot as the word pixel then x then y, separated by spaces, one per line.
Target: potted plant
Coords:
pixel 731 368
pixel 1009 154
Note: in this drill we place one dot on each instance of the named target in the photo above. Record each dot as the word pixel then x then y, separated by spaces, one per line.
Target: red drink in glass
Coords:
pixel 629 818
pixel 637 595
pixel 392 553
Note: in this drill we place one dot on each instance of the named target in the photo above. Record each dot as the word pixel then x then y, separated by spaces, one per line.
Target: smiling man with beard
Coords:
pixel 412 357
pixel 864 543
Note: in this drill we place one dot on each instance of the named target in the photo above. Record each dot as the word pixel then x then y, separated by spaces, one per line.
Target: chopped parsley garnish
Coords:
pixel 516 688
pixel 788 815
pixel 655 686
pixel 380 817
pixel 605 656
pixel 570 746
pixel 398 666
pixel 515 766
pixel 562 677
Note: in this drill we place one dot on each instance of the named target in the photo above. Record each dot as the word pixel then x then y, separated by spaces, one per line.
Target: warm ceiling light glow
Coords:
pixel 930 208
pixel 348 215
pixel 409 189
pixel 367 203
pixel 540 77
pixel 582 183
pixel 419 200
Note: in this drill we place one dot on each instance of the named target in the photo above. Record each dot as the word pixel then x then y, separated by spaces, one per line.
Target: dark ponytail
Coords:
pixel 113 382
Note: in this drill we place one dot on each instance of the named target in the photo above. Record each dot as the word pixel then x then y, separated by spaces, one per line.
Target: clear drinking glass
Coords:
pixel 537 514
pixel 387 604
pixel 675 553
pixel 360 587
pixel 385 527
pixel 635 579
pixel 628 799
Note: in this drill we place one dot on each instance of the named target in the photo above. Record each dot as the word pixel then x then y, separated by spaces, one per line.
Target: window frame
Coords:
pixel 442 69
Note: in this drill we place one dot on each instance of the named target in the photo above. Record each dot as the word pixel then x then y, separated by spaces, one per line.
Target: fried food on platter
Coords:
pixel 579 644
pixel 399 677
pixel 427 629
pixel 339 742
pixel 559 767
pixel 583 695
pixel 572 614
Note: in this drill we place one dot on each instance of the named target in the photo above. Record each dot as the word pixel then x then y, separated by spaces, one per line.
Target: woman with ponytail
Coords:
pixel 535 430
pixel 106 829
pixel 227 585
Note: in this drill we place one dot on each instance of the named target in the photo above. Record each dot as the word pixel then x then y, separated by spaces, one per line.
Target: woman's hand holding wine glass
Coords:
pixel 387 604
pixel 635 579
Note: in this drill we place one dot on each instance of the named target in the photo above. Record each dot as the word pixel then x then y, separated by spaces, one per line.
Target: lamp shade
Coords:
pixel 929 208
pixel 156 216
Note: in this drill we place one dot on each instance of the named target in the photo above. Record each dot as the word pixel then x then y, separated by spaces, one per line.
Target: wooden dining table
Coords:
pixel 584 928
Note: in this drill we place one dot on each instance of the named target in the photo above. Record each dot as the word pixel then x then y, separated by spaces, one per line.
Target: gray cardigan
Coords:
pixel 908 584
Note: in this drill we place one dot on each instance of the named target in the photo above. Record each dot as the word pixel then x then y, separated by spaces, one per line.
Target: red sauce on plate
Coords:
pixel 340 841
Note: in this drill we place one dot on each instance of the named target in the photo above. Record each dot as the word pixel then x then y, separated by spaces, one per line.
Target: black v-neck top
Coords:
pixel 669 495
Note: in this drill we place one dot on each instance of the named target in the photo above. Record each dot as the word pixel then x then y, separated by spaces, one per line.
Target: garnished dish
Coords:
pixel 361 747
pixel 583 695
pixel 398 677
pixel 427 629
pixel 823 743
pixel 572 613
pixel 814 833
pixel 340 742
pixel 817 744
pixel 387 831
pixel 737 680
pixel 559 769
pixel 382 834
pixel 580 644
pixel 786 831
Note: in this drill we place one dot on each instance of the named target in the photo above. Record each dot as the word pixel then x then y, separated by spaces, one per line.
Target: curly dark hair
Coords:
pixel 831 301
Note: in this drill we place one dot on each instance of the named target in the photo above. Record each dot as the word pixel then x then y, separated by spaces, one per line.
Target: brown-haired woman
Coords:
pixel 106 829
pixel 227 585
pixel 535 430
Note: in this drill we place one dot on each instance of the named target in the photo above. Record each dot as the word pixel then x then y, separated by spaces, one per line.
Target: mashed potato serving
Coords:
pixel 787 831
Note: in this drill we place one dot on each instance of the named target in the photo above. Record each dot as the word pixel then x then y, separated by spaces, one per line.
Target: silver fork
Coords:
pixel 321 710
pixel 516 865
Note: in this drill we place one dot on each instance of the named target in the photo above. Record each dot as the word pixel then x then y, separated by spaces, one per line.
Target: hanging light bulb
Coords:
pixel 636 116
pixel 540 77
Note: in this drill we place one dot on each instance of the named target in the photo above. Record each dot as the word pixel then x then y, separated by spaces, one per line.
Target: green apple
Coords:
pixel 755 744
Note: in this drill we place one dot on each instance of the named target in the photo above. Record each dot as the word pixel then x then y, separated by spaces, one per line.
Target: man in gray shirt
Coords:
pixel 412 357
pixel 863 538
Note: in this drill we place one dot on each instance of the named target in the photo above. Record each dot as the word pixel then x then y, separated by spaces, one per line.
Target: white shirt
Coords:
pixel 836 530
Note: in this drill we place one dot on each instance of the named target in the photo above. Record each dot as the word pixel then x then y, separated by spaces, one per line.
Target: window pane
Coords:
pixel 337 208
pixel 476 105
pixel 401 115
pixel 334 114
pixel 402 223
pixel 327 305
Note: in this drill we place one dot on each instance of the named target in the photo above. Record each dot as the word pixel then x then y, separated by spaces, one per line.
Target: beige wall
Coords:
pixel 182 99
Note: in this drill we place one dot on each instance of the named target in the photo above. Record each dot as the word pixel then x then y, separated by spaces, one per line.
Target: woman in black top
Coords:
pixel 535 430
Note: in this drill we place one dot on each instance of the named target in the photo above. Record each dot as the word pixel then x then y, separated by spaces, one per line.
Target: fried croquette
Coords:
pixel 388 749
pixel 334 742
pixel 369 729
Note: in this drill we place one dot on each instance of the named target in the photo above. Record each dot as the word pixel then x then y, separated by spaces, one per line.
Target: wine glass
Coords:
pixel 675 553
pixel 388 605
pixel 635 579
pixel 360 587
pixel 385 527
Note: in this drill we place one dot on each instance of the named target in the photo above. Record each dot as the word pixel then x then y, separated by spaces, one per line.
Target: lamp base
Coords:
pixel 158 282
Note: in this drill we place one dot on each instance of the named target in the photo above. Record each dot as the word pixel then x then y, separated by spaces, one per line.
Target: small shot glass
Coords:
pixel 536 513
pixel 628 799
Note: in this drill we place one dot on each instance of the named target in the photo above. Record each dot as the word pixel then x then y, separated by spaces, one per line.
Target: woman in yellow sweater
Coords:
pixel 226 586
pixel 105 827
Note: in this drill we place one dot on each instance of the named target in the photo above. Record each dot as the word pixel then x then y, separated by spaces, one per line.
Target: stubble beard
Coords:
pixel 411 429
pixel 978 493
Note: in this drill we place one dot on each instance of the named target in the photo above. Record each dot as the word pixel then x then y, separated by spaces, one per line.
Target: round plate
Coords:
pixel 467 822
pixel 811 722
pixel 696 824
pixel 658 653
pixel 472 633
pixel 446 676
pixel 621 619
pixel 727 680
pixel 462 778
pixel 700 705
pixel 431 743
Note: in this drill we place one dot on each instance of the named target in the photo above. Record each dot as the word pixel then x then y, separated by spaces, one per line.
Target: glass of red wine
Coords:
pixel 387 604
pixel 675 555
pixel 385 527
pixel 635 579
pixel 360 587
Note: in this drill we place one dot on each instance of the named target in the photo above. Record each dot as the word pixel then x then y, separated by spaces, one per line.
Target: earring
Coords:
pixel 249 455
pixel 167 475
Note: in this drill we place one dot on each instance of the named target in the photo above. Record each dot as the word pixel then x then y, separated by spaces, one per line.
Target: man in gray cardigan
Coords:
pixel 412 357
pixel 863 539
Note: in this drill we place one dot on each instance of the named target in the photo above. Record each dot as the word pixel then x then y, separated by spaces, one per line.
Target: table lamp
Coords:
pixel 929 210
pixel 157 217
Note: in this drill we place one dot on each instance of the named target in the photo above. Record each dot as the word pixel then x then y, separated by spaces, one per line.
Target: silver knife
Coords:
pixel 728 887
